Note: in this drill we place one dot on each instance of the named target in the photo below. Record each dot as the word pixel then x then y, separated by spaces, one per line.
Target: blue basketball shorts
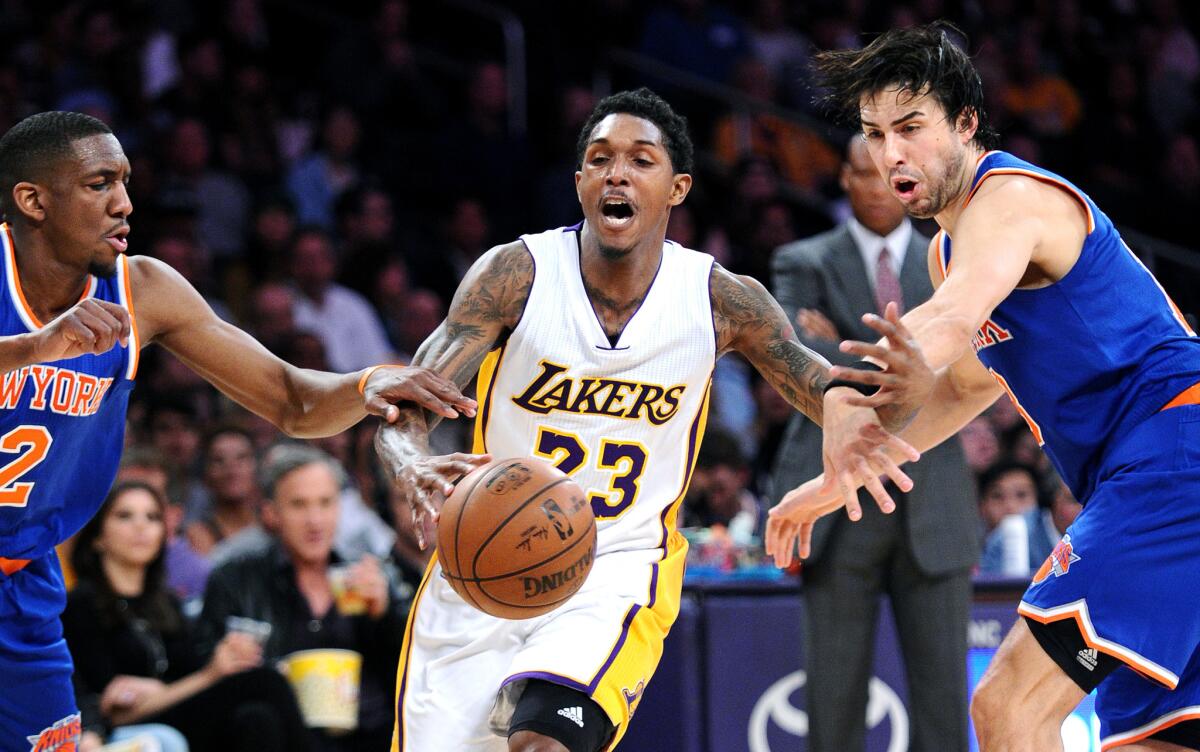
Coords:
pixel 1128 572
pixel 37 703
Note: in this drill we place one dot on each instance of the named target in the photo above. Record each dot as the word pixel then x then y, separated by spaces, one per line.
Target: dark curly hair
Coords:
pixel 645 104
pixel 37 144
pixel 920 60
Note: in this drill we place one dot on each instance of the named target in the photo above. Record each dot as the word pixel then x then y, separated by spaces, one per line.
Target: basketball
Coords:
pixel 516 538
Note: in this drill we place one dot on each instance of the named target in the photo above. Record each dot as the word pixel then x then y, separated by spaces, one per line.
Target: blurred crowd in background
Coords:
pixel 325 173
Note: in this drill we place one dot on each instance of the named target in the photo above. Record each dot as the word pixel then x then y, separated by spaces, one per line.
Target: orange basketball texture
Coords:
pixel 516 538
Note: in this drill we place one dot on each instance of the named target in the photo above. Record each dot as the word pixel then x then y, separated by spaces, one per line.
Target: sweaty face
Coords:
pixel 916 149
pixel 626 184
pixel 87 205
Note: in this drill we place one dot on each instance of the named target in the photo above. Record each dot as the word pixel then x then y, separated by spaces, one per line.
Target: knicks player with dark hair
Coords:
pixel 74 312
pixel 1038 297
pixel 594 346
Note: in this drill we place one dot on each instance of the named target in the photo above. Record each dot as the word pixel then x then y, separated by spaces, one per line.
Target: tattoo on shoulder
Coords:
pixel 748 319
pixel 497 294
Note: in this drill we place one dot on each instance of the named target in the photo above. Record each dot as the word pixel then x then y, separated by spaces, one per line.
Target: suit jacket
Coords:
pixel 826 273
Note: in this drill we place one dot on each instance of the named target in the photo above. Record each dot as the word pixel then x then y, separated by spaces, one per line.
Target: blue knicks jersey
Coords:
pixel 62 424
pixel 1087 358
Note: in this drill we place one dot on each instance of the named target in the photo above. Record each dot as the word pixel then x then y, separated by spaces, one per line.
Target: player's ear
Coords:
pixel 27 199
pixel 968 123
pixel 680 188
pixel 578 178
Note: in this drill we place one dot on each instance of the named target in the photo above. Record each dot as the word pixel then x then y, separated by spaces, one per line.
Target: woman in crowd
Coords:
pixel 135 661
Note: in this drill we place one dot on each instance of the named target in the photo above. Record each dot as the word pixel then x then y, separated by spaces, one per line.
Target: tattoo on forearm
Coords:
pixel 491 298
pixel 748 319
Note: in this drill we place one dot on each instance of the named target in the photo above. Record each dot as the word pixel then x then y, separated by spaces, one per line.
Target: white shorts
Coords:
pixel 461 671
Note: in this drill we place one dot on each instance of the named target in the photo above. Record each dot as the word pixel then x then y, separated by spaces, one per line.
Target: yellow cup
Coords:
pixel 326 686
pixel 345 598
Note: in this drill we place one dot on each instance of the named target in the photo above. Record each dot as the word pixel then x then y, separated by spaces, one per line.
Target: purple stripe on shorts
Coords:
pixel 565 681
pixel 616 648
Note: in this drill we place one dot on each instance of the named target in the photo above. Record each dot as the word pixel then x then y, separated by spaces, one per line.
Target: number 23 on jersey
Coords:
pixel 626 460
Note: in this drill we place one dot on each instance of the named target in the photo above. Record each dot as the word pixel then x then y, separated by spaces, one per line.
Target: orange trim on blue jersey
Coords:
pixel 1178 314
pixel 89 287
pixel 1189 396
pixel 1043 178
pixel 11 566
pixel 943 264
pixel 1078 611
pixel 1150 729
pixel 135 341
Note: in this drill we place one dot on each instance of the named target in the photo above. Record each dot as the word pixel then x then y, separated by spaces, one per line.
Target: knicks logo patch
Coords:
pixel 63 736
pixel 990 334
pixel 1059 561
pixel 633 698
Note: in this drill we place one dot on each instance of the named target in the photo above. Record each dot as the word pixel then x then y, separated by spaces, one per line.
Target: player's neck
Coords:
pixel 50 284
pixel 620 277
pixel 947 218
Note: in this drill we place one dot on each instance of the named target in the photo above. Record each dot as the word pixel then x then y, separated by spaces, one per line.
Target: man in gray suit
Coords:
pixel 920 556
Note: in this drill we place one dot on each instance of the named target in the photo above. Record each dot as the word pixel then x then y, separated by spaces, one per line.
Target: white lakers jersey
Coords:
pixel 624 420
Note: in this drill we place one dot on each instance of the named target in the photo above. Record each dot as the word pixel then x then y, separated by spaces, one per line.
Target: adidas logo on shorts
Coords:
pixel 1086 657
pixel 575 715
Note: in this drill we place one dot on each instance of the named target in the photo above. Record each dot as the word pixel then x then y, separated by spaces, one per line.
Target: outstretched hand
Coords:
pixel 857 451
pixel 389 385
pixel 791 521
pixel 906 381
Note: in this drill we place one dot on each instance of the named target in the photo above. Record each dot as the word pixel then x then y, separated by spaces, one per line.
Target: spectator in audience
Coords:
pixel 721 497
pixel 136 661
pixel 315 182
pixel 192 260
pixel 270 242
pixel 798 153
pixel 1045 103
pixel 478 154
pixel 221 199
pixel 347 325
pixel 920 556
pixel 1009 505
pixel 232 522
pixel 783 49
pixel 272 322
pixel 174 431
pixel 287 585
pixel 185 570
pixel 981 447
pixel 465 234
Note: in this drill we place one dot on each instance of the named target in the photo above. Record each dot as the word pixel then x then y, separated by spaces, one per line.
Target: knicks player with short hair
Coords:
pixel 1038 297
pixel 74 313
pixel 594 347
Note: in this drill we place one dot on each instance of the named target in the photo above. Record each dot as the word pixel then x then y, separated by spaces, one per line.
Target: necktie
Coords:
pixel 887 284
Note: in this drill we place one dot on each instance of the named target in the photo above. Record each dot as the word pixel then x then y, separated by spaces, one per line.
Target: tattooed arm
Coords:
pixel 748 320
pixel 489 301
pixel 856 446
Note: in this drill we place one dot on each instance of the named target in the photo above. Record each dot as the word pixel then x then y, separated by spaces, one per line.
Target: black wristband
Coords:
pixel 864 389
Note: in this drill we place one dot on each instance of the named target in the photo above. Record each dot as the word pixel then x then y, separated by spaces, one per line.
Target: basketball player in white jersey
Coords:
pixel 594 346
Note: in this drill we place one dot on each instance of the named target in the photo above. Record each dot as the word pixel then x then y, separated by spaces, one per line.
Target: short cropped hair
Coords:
pixel 37 144
pixel 283 459
pixel 919 60
pixel 647 105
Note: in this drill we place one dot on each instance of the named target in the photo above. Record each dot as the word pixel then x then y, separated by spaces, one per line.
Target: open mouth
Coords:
pixel 904 188
pixel 118 240
pixel 616 211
